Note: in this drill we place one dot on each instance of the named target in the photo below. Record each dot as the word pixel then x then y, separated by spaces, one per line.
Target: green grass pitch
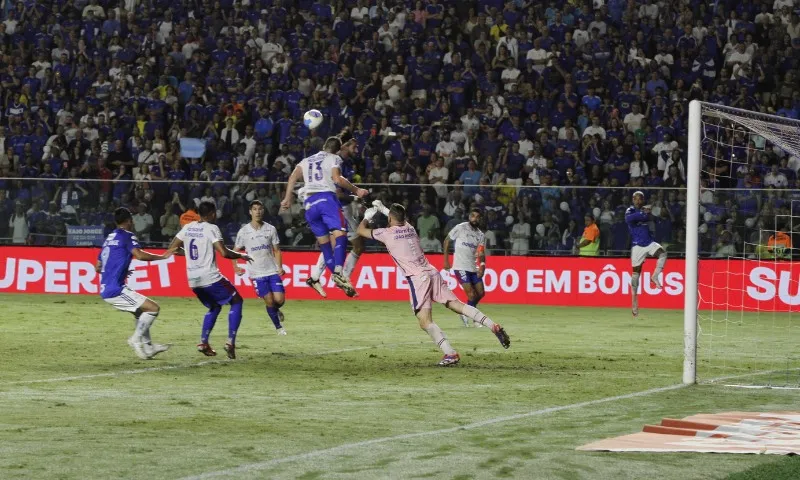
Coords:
pixel 351 392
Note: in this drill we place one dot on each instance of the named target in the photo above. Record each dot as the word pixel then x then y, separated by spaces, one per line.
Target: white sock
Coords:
pixel 146 319
pixel 635 289
pixel 662 260
pixel 439 339
pixel 477 316
pixel 316 270
pixel 350 264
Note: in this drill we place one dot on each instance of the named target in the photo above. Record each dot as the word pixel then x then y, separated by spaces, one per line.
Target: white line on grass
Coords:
pixel 194 365
pixel 252 467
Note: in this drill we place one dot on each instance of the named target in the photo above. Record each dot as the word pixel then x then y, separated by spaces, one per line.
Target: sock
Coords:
pixel 472 303
pixel 208 323
pixel 234 320
pixel 146 319
pixel 634 290
pixel 350 264
pixel 340 251
pixel 273 315
pixel 439 339
pixel 477 316
pixel 327 252
pixel 662 259
pixel 316 270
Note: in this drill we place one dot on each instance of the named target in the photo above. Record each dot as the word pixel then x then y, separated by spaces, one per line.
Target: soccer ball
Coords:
pixel 312 119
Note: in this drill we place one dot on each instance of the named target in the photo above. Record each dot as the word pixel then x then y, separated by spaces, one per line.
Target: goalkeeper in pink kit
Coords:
pixel 424 282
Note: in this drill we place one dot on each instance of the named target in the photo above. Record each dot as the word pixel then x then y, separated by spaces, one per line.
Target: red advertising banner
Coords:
pixel 569 281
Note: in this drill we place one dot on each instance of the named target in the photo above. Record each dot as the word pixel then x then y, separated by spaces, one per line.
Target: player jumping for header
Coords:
pixel 203 241
pixel 321 173
pixel 113 263
pixel 424 282
pixel 352 211
pixel 260 240
pixel 637 217
pixel 469 258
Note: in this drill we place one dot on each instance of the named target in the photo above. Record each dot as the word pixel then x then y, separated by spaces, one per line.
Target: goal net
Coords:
pixel 742 311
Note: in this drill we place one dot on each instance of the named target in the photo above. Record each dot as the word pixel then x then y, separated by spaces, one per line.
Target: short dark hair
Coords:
pixel 476 210
pixel 332 144
pixel 206 208
pixel 122 215
pixel 254 203
pixel 398 212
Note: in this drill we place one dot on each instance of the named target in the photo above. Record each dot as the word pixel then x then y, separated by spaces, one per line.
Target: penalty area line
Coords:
pixel 253 467
pixel 165 368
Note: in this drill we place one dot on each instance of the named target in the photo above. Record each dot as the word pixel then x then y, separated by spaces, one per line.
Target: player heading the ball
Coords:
pixel 321 173
pixel 424 282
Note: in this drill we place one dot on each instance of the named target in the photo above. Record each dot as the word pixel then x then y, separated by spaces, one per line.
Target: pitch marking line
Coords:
pixel 195 365
pixel 252 467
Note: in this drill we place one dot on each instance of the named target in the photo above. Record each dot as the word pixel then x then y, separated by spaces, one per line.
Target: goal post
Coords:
pixel 693 160
pixel 737 334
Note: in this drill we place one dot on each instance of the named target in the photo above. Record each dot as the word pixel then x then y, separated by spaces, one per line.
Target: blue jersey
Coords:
pixel 637 221
pixel 346 170
pixel 115 259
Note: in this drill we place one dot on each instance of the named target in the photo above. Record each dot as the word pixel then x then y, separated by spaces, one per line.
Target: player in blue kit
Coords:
pixel 113 264
pixel 321 174
pixel 203 240
pixel 260 240
pixel 637 217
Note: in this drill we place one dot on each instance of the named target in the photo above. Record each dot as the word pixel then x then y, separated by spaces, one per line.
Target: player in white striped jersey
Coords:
pixel 469 258
pixel 260 240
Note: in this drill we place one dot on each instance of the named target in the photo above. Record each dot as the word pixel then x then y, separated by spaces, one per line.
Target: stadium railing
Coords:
pixel 518 220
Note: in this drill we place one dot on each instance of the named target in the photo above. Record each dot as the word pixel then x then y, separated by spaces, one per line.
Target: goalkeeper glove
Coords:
pixel 369 213
pixel 377 204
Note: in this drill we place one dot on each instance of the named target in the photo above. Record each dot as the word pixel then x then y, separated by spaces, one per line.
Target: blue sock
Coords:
pixel 234 320
pixel 327 252
pixel 340 252
pixel 208 323
pixel 273 315
pixel 472 303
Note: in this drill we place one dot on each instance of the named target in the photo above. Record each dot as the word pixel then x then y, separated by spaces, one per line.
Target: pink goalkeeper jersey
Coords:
pixel 403 245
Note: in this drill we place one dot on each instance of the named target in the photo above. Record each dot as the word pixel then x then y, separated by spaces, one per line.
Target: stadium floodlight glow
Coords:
pixel 743 333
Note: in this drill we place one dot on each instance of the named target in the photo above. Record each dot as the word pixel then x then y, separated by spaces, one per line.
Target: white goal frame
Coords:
pixel 693 170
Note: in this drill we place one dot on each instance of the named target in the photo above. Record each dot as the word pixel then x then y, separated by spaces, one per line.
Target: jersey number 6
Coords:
pixel 193 253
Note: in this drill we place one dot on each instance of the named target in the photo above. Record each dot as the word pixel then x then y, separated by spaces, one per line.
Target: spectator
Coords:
pixel 170 222
pixel 589 244
pixel 142 223
pixel 431 244
pixel 427 222
pixel 18 225
pixel 520 236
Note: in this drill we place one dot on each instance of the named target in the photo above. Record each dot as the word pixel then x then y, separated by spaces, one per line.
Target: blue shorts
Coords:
pixel 324 214
pixel 468 277
pixel 267 285
pixel 218 293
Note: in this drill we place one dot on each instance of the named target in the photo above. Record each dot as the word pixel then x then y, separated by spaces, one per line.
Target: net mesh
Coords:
pixel 749 297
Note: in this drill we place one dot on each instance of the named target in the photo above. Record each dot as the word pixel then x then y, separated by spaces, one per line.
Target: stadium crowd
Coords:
pixel 468 103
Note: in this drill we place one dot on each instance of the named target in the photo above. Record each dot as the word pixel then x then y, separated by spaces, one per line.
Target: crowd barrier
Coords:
pixel 568 281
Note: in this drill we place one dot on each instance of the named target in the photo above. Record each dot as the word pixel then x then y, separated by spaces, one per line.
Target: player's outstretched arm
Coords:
pixel 363 229
pixel 140 254
pixel 339 180
pixel 175 247
pixel 236 267
pixel 230 254
pixel 293 178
